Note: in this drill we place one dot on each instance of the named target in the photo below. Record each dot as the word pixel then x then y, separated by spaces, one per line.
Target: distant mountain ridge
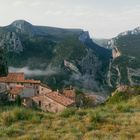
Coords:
pixel 44 49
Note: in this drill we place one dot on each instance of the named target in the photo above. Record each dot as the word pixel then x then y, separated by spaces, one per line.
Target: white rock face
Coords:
pixel 11 42
pixel 115 53
pixel 71 66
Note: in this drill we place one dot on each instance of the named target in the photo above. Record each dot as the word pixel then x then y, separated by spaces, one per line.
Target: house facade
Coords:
pixel 18 79
pixel 22 91
pixel 43 89
pixel 69 93
pixel 34 93
pixel 52 102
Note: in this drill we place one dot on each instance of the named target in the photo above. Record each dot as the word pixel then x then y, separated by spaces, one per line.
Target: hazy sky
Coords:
pixel 103 18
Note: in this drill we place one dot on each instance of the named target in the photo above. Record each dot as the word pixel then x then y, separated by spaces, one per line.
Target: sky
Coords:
pixel 102 18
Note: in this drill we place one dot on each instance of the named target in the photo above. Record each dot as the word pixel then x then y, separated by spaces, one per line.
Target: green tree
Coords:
pixel 18 100
pixel 3 63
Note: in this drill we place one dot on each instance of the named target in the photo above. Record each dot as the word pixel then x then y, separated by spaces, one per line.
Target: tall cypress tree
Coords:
pixel 3 63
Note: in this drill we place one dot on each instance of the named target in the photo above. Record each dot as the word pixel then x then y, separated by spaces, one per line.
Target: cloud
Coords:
pixel 18 3
pixel 35 72
pixel 55 13
pixel 36 3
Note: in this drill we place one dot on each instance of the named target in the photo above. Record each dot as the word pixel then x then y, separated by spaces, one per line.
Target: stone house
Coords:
pixel 34 93
pixel 18 79
pixel 43 89
pixel 51 102
pixel 69 93
pixel 22 91
pixel 16 84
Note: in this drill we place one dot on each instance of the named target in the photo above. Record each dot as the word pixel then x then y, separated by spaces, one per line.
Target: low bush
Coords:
pixel 118 97
pixel 19 114
pixel 68 112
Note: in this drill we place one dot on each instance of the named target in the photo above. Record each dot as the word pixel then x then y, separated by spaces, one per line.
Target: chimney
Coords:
pixel 57 91
pixel 71 87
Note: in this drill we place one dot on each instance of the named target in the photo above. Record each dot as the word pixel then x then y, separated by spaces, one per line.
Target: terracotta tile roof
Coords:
pixel 2 79
pixel 17 77
pixel 59 98
pixel 38 98
pixel 13 77
pixel 69 93
pixel 46 86
pixel 32 81
pixel 16 90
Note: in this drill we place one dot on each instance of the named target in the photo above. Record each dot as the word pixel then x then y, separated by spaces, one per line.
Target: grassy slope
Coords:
pixel 119 121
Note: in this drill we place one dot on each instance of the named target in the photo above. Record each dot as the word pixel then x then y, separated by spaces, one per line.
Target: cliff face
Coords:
pixel 60 57
pixel 11 42
pixel 125 65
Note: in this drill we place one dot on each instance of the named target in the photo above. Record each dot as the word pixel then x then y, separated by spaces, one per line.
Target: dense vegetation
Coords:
pixel 117 119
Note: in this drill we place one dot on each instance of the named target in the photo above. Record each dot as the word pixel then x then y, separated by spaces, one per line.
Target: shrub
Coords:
pixel 123 108
pixel 96 117
pixel 81 112
pixel 68 112
pixel 135 102
pixel 22 114
pixel 19 114
pixel 118 97
pixel 10 131
pixel 6 118
pixel 18 100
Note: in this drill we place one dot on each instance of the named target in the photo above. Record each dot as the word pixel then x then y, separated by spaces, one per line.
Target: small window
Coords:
pixel 12 96
pixel 49 104
pixel 38 92
pixel 56 110
pixel 39 103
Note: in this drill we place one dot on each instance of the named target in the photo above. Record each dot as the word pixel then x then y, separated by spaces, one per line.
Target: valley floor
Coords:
pixel 118 121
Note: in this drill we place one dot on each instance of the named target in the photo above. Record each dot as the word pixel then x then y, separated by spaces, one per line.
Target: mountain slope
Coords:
pixel 42 52
pixel 125 67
